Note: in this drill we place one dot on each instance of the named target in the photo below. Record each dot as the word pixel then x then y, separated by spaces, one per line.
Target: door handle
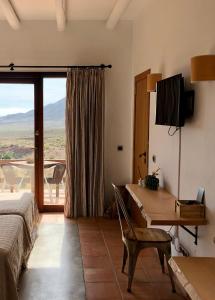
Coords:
pixel 142 154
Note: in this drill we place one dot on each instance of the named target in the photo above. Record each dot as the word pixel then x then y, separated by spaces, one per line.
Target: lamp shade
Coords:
pixel 152 80
pixel 203 68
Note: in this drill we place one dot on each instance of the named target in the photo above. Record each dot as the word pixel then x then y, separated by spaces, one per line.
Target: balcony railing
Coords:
pixel 17 176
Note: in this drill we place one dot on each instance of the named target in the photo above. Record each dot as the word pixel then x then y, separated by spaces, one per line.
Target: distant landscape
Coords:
pixel 17 133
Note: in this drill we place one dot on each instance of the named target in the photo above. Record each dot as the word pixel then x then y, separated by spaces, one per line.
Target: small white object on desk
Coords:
pixel 141 182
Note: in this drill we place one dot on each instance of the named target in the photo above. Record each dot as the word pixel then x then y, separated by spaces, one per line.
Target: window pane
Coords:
pixel 54 139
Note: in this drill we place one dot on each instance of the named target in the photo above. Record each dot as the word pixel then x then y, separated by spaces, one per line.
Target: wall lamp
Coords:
pixel 203 68
pixel 152 80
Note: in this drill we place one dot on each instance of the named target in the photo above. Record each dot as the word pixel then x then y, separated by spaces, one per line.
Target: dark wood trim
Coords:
pixel 52 208
pixel 38 125
pixel 138 77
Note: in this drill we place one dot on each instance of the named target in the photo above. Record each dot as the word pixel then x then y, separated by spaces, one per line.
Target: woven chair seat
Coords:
pixel 148 235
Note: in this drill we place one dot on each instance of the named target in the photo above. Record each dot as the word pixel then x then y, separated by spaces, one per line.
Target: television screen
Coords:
pixel 170 109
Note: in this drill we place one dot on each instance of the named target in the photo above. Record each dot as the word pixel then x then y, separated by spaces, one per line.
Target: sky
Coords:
pixel 16 98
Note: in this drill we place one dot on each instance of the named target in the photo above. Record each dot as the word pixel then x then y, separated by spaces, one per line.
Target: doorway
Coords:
pixel 141 127
pixel 32 134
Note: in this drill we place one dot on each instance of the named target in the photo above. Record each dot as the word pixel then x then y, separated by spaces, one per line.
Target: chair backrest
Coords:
pixel 9 173
pixel 200 195
pixel 122 209
pixel 58 173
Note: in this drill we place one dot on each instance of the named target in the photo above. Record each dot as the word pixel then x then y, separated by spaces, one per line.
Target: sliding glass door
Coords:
pixel 54 99
pixel 17 142
pixel 32 137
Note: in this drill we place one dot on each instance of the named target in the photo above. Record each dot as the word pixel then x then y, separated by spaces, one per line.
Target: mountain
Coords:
pixel 54 115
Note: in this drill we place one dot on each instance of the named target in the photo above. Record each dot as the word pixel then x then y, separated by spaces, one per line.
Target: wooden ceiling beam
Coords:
pixel 61 14
pixel 10 14
pixel 116 13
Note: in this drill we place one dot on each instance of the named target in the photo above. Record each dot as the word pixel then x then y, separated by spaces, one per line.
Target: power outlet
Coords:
pixel 154 158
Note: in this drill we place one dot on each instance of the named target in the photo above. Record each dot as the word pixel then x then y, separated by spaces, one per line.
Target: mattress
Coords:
pixel 25 207
pixel 15 246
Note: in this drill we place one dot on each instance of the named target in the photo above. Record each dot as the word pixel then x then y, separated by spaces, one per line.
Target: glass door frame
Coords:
pixel 36 78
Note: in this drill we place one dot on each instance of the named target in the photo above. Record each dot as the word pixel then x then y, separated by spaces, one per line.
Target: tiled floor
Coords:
pixel 55 270
pixel 55 265
pixel 101 248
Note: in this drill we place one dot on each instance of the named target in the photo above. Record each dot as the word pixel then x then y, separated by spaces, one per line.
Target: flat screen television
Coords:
pixel 170 108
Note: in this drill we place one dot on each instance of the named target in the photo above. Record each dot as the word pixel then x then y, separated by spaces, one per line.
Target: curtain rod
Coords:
pixel 12 66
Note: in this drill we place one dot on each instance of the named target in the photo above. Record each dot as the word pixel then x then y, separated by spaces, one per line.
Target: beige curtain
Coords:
pixel 85 142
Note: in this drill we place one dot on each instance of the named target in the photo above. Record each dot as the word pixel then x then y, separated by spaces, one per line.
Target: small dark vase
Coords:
pixel 151 182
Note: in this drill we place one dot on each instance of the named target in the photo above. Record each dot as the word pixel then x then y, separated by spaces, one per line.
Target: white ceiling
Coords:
pixel 75 9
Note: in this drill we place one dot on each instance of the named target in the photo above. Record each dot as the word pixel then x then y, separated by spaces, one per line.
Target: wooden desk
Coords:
pixel 196 275
pixel 158 207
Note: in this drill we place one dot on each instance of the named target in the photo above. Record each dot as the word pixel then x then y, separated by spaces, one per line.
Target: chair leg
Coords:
pixel 3 186
pixel 50 193
pixel 132 259
pixel 168 256
pixel 57 192
pixel 125 255
pixel 161 258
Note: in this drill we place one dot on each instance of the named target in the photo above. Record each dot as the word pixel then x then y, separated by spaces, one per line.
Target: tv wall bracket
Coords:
pixel 194 234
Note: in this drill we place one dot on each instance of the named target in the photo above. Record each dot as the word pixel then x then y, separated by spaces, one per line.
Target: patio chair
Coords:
pixel 135 239
pixel 10 178
pixel 56 179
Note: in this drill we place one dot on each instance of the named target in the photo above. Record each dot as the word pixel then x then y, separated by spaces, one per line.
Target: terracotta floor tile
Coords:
pixel 156 275
pixel 117 262
pixel 88 227
pixel 140 290
pixel 88 220
pixel 99 275
pixel 150 261
pixel 108 234
pixel 164 292
pixel 102 282
pixel 109 226
pixel 148 252
pixel 139 276
pixel 114 241
pixel 116 250
pixel 102 291
pixel 90 236
pixel 96 262
pixel 94 249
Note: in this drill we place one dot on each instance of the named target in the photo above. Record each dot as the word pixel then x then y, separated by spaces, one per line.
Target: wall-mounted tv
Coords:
pixel 171 106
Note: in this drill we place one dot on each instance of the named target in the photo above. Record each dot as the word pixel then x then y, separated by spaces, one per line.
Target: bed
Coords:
pixel 15 246
pixel 25 207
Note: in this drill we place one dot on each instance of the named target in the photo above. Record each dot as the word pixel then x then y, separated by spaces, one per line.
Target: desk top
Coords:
pixel 196 275
pixel 158 207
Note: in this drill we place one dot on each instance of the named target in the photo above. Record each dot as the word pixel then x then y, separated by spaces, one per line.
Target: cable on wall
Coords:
pixel 179 163
pixel 172 133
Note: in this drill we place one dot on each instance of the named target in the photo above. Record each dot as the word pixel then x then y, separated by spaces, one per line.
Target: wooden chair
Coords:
pixel 136 239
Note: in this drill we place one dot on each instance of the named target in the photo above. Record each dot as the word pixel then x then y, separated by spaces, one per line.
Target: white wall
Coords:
pixel 165 36
pixel 39 43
